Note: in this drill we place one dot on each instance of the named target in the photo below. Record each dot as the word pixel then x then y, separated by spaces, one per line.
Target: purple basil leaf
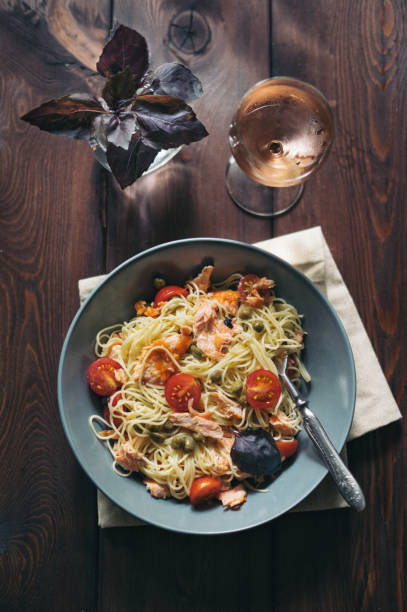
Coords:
pixel 167 122
pixel 176 80
pixel 121 86
pixel 117 128
pixel 255 452
pixel 128 165
pixel 70 115
pixel 127 49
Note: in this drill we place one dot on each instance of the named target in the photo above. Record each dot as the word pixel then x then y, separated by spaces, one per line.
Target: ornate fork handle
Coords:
pixel 344 480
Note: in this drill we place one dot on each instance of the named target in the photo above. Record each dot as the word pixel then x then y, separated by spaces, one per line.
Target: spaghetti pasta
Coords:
pixel 213 337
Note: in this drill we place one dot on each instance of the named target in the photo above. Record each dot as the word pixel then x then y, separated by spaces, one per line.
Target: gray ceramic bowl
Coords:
pixel 327 355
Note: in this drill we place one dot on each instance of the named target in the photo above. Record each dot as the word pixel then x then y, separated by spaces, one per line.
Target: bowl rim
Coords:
pixel 173 244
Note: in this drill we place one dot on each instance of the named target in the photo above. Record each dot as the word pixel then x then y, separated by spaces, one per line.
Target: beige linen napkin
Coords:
pixel 375 407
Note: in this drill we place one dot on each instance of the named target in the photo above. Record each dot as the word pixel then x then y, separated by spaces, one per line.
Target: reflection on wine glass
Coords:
pixel 278 137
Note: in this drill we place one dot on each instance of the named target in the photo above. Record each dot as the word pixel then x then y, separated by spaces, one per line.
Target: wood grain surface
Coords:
pixel 50 237
pixel 62 217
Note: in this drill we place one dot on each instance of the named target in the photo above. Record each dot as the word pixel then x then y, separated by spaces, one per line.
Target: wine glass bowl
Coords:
pixel 279 136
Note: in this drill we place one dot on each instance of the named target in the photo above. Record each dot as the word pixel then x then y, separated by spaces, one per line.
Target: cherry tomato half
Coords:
pixel 245 288
pixel 179 389
pixel 204 489
pixel 101 376
pixel 263 389
pixel 166 293
pixel 287 448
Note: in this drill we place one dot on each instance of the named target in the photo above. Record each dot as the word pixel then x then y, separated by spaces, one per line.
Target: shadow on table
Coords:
pixel 158 208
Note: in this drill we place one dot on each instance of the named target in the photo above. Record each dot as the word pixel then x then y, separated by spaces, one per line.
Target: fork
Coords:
pixel 344 480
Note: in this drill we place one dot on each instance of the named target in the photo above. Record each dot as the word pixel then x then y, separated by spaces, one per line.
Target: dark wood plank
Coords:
pixel 50 236
pixel 187 198
pixel 198 573
pixel 355 53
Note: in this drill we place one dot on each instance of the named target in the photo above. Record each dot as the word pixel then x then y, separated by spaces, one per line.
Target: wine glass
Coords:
pixel 279 136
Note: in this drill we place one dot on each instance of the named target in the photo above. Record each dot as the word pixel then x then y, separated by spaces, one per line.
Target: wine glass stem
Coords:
pixel 234 177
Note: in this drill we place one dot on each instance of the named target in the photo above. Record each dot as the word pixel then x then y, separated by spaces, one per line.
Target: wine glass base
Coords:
pixel 257 199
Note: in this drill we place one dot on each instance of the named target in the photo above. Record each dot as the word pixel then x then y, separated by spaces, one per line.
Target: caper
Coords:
pixel 189 444
pixel 183 441
pixel 196 352
pixel 245 312
pixel 216 376
pixel 159 283
pixel 243 400
pixel 177 441
pixel 198 437
pixel 258 326
pixel 157 437
pixel 155 428
pixel 168 426
pixel 236 388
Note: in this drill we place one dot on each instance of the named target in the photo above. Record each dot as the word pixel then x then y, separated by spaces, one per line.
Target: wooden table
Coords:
pixel 64 218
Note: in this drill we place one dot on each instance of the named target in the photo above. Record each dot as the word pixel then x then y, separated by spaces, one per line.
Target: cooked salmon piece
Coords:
pixel 282 425
pixel 141 308
pixel 107 433
pixel 152 311
pixel 179 343
pixel 206 314
pixel 156 489
pixel 228 407
pixel 198 413
pixel 126 456
pixel 233 498
pixel 227 440
pixel 254 298
pixel 120 375
pixel 212 336
pixel 220 463
pixel 203 280
pixel 221 460
pixel 159 366
pixel 201 425
pixel 228 299
pixel 114 350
